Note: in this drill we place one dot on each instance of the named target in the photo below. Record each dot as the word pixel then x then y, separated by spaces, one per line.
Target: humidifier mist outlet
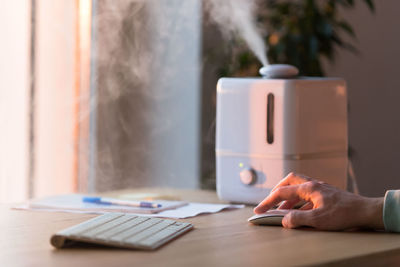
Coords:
pixel 279 71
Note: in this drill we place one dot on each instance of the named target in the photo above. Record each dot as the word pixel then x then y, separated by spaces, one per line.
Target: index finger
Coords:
pixel 292 179
pixel 283 193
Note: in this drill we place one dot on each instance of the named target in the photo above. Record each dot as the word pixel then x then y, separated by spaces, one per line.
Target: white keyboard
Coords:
pixel 122 230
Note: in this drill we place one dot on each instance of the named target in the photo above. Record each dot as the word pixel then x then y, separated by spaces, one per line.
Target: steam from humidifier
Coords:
pixel 238 17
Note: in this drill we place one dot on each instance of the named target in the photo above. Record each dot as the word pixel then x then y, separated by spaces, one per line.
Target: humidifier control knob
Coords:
pixel 248 176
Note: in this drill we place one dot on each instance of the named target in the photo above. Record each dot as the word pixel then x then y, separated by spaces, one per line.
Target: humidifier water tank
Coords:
pixel 267 128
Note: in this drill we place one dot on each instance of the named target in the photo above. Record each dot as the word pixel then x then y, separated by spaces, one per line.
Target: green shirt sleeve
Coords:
pixel 391 211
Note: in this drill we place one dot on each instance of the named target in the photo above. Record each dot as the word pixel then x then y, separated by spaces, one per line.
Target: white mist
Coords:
pixel 238 17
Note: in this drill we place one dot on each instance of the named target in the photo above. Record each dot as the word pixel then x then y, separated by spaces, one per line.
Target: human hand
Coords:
pixel 326 207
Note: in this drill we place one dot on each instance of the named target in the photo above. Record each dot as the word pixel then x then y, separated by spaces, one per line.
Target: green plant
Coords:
pixel 299 32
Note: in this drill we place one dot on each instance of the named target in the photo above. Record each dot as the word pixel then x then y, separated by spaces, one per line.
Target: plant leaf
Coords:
pixel 370 4
pixel 347 28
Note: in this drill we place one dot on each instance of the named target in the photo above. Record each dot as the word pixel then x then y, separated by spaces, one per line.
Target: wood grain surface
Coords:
pixel 221 239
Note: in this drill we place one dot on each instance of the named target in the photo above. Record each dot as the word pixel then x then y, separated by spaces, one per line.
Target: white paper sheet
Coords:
pixel 69 203
pixel 193 209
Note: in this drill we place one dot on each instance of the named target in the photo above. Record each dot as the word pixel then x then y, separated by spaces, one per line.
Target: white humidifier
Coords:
pixel 267 128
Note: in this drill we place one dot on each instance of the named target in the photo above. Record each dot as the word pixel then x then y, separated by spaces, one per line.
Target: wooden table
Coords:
pixel 221 239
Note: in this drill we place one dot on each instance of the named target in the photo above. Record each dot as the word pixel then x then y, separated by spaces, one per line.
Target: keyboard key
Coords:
pixel 92 223
pixel 107 226
pixel 165 235
pixel 134 230
pixel 121 228
pixel 148 232
pixel 178 226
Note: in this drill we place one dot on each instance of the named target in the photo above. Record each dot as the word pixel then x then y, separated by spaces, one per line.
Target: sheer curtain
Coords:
pixel 99 95
pixel 146 76
pixel 14 100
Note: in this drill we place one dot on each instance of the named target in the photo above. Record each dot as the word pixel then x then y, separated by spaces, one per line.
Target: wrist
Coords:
pixel 373 210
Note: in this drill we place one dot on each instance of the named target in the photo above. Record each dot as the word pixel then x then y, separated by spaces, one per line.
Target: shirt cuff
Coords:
pixel 391 211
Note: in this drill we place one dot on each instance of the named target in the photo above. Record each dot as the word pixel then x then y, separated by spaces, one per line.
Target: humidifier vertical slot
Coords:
pixel 270 118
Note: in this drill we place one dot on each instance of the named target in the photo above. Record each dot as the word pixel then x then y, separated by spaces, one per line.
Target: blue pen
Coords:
pixel 112 201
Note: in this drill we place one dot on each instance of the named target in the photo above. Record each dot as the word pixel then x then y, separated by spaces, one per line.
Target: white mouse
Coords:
pixel 271 217
pixel 276 71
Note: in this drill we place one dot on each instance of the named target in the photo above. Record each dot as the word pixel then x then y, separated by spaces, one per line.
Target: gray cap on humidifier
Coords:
pixel 279 71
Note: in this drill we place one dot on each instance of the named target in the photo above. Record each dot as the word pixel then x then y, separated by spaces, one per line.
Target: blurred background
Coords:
pixel 99 95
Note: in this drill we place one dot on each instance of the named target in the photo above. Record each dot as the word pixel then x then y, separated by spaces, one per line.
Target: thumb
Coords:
pixel 297 218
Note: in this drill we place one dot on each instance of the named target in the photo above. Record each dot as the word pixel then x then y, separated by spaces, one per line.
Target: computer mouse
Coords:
pixel 271 217
pixel 276 71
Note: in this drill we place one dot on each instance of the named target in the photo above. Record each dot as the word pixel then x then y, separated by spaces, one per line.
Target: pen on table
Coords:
pixel 112 201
